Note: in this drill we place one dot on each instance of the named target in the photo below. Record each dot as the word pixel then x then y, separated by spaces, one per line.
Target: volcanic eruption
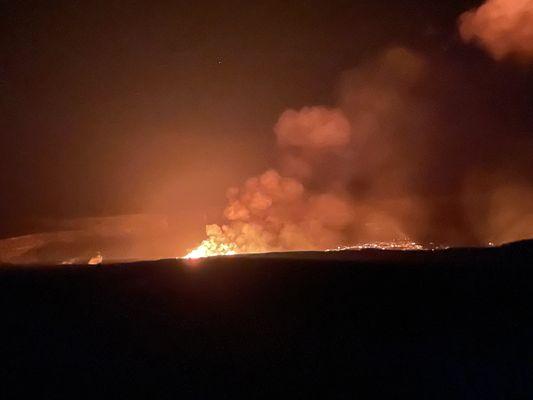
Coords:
pixel 413 147
pixel 267 198
pixel 362 174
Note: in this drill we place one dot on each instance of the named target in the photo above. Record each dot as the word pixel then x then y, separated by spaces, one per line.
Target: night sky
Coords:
pixel 112 107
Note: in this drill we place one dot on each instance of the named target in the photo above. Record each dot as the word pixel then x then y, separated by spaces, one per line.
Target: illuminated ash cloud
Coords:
pixel 379 167
pixel 313 127
pixel 307 203
pixel 275 213
pixel 502 27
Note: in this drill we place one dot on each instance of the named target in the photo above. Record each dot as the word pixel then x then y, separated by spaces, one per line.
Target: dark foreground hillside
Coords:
pixel 448 324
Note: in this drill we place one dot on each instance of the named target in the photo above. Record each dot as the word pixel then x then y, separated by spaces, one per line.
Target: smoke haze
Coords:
pixel 502 27
pixel 362 173
pixel 156 109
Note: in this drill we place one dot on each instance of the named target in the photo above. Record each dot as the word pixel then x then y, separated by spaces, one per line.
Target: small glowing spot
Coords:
pixel 96 260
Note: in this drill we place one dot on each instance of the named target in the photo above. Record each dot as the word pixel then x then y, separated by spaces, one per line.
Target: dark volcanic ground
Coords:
pixel 444 324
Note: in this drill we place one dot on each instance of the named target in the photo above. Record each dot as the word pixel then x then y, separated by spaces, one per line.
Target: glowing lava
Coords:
pixel 209 248
pixel 394 245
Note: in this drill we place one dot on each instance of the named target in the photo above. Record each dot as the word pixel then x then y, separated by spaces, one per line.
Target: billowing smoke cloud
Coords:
pixel 271 212
pixel 366 171
pixel 313 128
pixel 502 27
pixel 309 204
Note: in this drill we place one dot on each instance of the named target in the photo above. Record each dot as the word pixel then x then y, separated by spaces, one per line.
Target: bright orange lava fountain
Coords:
pixel 208 248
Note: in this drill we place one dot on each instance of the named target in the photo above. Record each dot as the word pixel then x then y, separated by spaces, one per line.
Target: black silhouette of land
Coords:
pixel 450 324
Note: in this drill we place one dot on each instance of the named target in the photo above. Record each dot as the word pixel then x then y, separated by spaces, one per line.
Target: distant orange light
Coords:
pixel 209 248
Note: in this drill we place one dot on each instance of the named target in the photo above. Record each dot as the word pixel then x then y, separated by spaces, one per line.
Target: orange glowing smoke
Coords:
pixel 308 204
pixel 348 176
pixel 210 247
pixel 503 27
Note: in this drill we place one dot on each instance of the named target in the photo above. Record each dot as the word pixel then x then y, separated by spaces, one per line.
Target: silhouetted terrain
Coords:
pixel 438 324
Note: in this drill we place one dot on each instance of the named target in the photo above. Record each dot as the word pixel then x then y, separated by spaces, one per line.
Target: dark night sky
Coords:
pixel 116 107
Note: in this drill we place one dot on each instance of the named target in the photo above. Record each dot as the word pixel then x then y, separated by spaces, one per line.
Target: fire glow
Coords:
pixel 345 179
pixel 208 248
pixel 212 247
pixel 307 203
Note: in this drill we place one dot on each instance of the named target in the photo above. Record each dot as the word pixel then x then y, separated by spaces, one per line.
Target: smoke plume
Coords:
pixel 502 27
pixel 308 203
pixel 376 168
